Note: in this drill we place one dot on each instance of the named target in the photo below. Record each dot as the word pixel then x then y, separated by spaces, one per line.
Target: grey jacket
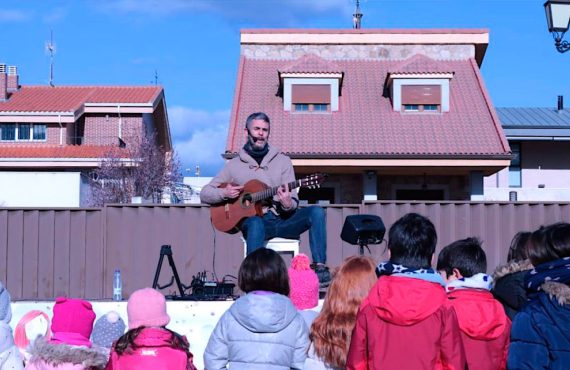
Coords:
pixel 275 169
pixel 259 331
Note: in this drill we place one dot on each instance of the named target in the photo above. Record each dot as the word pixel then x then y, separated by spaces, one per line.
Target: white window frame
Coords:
pixel 17 132
pixel 288 82
pixel 399 82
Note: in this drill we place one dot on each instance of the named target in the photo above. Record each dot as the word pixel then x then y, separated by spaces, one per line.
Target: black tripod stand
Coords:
pixel 166 250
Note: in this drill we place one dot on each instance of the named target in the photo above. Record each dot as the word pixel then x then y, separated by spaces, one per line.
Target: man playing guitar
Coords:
pixel 258 160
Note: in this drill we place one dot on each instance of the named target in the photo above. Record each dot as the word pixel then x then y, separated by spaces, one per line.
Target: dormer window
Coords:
pixel 420 85
pixel 426 95
pixel 421 98
pixel 310 84
pixel 310 98
pixel 310 95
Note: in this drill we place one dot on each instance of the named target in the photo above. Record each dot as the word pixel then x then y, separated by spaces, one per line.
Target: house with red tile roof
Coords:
pixel 55 130
pixel 388 114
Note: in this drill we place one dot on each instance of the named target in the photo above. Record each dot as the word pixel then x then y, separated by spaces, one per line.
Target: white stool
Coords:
pixel 279 245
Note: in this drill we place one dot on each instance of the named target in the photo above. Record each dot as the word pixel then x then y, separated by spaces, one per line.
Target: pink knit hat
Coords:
pixel 304 290
pixel 147 307
pixel 72 321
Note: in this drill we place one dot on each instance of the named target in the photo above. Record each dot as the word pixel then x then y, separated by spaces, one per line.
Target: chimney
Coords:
pixel 13 83
pixel 357 16
pixel 560 103
pixel 3 83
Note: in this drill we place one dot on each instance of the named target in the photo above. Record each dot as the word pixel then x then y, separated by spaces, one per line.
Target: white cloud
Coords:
pixel 9 15
pixel 55 15
pixel 199 138
pixel 184 121
pixel 273 13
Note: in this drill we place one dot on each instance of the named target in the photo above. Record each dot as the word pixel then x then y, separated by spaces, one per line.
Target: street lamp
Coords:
pixel 558 19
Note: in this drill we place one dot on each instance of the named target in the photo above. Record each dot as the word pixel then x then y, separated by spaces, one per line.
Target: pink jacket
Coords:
pixel 52 356
pixel 154 352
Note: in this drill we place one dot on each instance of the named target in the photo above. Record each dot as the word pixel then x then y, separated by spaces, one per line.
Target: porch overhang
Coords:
pixel 401 165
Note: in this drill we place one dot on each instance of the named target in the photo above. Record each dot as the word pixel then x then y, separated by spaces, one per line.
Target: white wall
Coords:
pixel 40 189
pixel 545 174
pixel 529 195
pixel 194 319
pixel 196 183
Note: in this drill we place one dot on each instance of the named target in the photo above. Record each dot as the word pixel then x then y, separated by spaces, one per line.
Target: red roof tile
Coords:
pixel 71 98
pixel 421 64
pixel 366 125
pixel 310 63
pixel 57 152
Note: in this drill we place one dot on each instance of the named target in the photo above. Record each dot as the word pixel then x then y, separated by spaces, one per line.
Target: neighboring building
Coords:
pixel 195 183
pixel 540 169
pixel 67 130
pixel 388 114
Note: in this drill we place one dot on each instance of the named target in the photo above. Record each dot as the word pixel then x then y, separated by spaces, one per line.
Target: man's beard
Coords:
pixel 257 143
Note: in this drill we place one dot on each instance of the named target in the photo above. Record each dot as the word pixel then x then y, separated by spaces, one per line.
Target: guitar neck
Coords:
pixel 270 192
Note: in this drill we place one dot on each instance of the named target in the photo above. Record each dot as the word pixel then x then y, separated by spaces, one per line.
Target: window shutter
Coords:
pixel 421 94
pixel 311 94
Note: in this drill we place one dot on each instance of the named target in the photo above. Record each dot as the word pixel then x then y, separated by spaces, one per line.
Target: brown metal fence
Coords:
pixel 45 253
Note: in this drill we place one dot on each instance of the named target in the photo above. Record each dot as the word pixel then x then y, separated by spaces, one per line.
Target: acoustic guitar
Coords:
pixel 226 216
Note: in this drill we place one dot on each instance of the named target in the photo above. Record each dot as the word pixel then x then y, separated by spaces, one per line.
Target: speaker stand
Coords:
pixel 166 250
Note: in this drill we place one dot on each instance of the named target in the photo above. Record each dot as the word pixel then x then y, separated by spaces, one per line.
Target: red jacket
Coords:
pixel 485 328
pixel 406 323
pixel 153 352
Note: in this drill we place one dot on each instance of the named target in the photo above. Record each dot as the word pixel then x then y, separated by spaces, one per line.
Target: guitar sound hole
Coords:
pixel 246 200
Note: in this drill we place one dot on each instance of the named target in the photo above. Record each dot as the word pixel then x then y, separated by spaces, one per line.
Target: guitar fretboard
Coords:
pixel 270 192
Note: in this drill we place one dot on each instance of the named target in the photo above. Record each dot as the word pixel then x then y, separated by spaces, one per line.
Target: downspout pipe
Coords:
pixel 60 130
pixel 120 122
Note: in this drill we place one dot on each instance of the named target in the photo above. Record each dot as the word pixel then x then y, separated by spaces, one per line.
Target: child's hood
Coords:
pixel 154 337
pixel 479 314
pixel 264 313
pixel 57 354
pixel 405 300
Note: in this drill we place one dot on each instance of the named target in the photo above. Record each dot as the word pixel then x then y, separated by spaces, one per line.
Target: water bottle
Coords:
pixel 117 286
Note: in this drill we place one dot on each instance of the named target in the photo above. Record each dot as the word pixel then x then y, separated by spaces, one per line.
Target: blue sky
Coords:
pixel 194 47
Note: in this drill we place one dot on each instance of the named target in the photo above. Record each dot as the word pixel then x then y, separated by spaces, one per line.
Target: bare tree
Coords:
pixel 143 169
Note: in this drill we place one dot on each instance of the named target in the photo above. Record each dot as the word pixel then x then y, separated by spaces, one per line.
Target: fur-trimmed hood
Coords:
pixel 57 354
pixel 558 291
pixel 511 268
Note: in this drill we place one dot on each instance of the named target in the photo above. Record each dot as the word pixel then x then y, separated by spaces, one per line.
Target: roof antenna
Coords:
pixel 155 78
pixel 50 48
pixel 357 16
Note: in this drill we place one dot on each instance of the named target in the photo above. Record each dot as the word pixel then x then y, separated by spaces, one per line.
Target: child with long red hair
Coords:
pixel 332 329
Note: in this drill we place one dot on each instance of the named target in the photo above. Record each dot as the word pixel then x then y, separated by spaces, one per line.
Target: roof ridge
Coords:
pixel 91 86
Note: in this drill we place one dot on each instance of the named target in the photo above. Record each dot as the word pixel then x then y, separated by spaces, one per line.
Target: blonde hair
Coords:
pixel 332 329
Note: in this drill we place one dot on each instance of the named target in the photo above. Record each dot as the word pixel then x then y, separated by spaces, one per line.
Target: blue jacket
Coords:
pixel 540 335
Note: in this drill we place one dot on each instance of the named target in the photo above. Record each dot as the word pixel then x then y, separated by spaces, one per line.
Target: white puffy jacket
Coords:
pixel 261 330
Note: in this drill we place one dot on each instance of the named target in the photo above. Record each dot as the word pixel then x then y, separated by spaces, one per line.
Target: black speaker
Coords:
pixel 363 229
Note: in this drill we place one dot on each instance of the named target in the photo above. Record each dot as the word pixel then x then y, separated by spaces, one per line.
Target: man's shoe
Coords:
pixel 323 274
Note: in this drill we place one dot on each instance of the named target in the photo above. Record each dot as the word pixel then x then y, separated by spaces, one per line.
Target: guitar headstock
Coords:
pixel 313 181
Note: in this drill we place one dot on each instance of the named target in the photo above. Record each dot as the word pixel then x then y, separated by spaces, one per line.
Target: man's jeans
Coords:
pixel 257 230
